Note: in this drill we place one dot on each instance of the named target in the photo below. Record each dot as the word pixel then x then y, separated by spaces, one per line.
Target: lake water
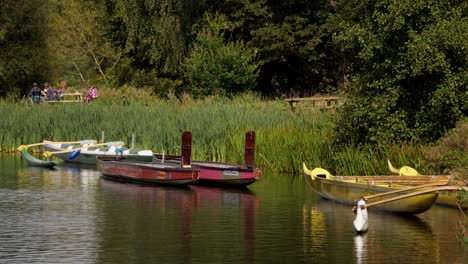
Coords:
pixel 71 215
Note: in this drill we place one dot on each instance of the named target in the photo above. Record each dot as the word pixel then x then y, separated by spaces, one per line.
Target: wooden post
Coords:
pixel 186 149
pixel 249 158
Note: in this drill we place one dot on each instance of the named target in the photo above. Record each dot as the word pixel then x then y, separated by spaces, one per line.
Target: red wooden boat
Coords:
pixel 155 172
pixel 227 174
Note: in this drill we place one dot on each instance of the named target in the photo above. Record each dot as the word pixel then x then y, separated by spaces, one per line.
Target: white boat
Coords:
pixel 87 151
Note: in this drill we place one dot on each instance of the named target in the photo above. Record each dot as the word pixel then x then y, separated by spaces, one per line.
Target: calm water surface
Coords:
pixel 72 215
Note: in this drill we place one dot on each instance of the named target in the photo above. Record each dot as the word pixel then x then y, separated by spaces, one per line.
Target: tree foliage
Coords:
pixel 154 34
pixel 78 45
pixel 22 44
pixel 216 68
pixel 408 64
pixel 291 45
pixel 402 63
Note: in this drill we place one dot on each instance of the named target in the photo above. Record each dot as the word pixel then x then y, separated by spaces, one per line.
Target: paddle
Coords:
pixel 406 189
pixel 435 189
pixel 360 223
pixel 82 142
pixel 77 151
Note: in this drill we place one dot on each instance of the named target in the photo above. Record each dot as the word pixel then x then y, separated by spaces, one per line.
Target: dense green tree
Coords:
pixel 22 45
pixel 154 35
pixel 214 67
pixel 290 43
pixel 408 61
pixel 77 41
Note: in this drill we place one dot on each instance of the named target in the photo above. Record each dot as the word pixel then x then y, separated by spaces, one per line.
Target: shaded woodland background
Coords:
pixel 402 64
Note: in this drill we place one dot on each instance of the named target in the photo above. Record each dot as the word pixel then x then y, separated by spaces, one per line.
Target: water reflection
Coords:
pixel 402 232
pixel 388 235
pixel 315 232
pixel 360 247
pixel 175 224
pixel 71 215
pixel 144 224
pixel 227 207
pixel 47 215
pixel 64 175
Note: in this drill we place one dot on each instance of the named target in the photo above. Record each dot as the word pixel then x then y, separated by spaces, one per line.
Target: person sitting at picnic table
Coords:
pixel 44 91
pixel 48 92
pixel 92 94
pixel 35 93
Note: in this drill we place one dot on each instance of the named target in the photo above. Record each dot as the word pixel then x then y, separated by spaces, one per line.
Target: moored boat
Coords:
pixel 118 168
pixel 446 198
pixel 346 189
pixel 156 172
pixel 33 161
pixel 86 152
pixel 226 174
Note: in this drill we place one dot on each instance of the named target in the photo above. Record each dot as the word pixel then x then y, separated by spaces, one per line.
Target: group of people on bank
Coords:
pixel 48 93
pixel 45 94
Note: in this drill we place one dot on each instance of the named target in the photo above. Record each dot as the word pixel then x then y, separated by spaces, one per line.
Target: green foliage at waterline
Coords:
pixel 285 139
pixel 409 72
pixel 401 64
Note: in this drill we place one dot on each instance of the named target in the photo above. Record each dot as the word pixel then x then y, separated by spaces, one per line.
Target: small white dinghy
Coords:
pixel 360 223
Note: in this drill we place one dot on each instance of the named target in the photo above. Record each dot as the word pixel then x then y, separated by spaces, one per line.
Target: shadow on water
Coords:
pixel 170 224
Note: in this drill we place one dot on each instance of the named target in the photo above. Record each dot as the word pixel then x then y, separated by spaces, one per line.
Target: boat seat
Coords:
pixel 133 151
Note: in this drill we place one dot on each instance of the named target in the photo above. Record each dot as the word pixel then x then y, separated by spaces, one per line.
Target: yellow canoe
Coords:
pixel 346 189
pixel 446 198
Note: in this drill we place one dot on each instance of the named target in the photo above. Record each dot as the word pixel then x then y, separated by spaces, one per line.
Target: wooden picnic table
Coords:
pixel 323 102
pixel 78 98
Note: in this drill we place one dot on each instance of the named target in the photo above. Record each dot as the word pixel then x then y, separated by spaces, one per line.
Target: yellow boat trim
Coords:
pixel 317 172
pixel 403 171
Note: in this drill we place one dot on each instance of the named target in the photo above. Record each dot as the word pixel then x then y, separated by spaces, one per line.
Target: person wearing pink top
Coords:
pixel 92 94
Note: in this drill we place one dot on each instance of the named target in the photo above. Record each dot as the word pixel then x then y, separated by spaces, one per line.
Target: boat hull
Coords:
pixel 32 161
pixel 145 172
pixel 216 173
pixel 220 173
pixel 88 156
pixel 449 199
pixel 347 192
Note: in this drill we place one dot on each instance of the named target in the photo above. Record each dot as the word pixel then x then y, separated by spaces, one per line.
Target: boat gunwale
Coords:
pixel 208 164
pixel 174 182
pixel 141 164
pixel 365 187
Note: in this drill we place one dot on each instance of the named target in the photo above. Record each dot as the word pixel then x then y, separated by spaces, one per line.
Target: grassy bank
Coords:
pixel 284 138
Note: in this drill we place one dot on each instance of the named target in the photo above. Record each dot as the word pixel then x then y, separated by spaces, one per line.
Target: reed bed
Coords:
pixel 285 139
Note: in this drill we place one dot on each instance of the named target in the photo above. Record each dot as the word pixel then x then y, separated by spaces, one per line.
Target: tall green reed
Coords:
pixel 285 139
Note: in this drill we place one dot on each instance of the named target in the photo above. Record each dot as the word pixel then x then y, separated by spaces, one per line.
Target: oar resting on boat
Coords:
pixel 76 151
pixel 360 223
pixel 81 142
